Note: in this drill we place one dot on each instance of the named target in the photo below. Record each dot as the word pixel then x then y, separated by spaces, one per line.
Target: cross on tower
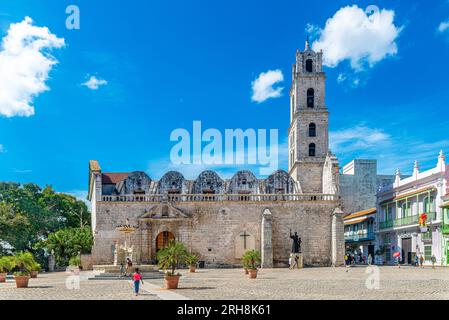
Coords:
pixel 244 235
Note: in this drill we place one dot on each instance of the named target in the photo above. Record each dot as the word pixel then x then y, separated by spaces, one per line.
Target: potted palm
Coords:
pixel 169 258
pixel 192 260
pixel 24 261
pixel 6 265
pixel 251 259
pixel 35 268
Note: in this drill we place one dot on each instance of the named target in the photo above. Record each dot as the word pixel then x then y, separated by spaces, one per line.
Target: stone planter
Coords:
pixel 33 274
pixel 3 277
pixel 252 273
pixel 22 281
pixel 171 282
pixel 192 269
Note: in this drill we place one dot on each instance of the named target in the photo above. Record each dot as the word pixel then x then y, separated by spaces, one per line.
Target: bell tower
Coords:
pixel 309 121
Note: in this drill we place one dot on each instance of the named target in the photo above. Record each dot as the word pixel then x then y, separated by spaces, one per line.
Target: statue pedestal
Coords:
pixel 300 260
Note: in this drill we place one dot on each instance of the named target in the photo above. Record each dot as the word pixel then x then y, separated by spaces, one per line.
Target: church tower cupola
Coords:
pixel 308 133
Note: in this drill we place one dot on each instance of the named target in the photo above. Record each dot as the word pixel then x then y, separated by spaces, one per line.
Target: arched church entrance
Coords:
pixel 163 239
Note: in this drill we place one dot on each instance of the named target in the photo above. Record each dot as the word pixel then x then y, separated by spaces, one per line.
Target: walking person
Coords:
pixel 137 279
pixel 434 260
pixel 129 265
pixel 296 263
pixel 347 261
pixel 290 263
pixel 122 270
pixel 421 261
pixel 416 260
pixel 397 255
pixel 370 259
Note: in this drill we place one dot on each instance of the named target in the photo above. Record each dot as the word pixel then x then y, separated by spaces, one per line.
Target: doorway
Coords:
pixel 371 250
pixel 163 239
pixel 407 250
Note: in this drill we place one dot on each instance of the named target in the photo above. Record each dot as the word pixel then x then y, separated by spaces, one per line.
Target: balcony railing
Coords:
pixel 405 221
pixel 427 236
pixel 219 197
pixel 370 236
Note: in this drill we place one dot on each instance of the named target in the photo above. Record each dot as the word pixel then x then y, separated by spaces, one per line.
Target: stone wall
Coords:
pixel 211 229
pixel 359 184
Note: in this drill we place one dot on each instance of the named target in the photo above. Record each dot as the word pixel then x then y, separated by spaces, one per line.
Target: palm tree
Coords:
pixel 171 256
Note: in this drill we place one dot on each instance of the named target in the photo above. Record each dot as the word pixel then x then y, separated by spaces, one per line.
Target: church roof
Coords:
pixel 114 178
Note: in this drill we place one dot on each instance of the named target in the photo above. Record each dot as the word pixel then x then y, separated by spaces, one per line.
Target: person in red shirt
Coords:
pixel 137 279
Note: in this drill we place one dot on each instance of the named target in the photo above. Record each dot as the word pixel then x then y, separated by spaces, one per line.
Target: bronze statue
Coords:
pixel 296 246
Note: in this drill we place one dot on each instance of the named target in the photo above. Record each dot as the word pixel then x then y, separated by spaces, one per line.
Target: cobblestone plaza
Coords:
pixel 278 284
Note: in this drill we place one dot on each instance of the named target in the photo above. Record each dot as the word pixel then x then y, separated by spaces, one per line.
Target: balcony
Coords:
pixel 406 221
pixel 445 228
pixel 427 236
pixel 219 197
pixel 370 236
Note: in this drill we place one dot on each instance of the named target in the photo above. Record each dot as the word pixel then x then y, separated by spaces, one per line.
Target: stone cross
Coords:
pixel 244 235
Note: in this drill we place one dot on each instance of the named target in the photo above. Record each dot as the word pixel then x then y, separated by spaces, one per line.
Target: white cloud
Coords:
pixel 444 26
pixel 263 87
pixel 94 83
pixel 356 138
pixel 355 35
pixel 81 195
pixel 390 151
pixel 23 171
pixel 341 78
pixel 25 63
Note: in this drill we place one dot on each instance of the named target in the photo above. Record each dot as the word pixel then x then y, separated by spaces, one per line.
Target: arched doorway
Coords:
pixel 163 239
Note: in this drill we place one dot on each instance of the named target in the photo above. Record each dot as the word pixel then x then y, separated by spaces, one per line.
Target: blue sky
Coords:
pixel 166 64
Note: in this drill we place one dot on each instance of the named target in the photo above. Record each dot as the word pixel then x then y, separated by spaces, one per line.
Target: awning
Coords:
pixel 348 223
pixel 360 214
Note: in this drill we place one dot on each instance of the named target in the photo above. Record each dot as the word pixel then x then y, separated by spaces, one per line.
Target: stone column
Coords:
pixel 267 240
pixel 338 240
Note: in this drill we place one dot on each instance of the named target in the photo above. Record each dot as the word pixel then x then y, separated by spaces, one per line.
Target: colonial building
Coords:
pixel 359 233
pixel 219 219
pixel 410 216
pixel 359 184
pixel 445 224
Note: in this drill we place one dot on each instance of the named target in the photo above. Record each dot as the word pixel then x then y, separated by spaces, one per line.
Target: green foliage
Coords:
pixel 75 261
pixel 7 263
pixel 191 260
pixel 13 226
pixel 169 257
pixel 251 259
pixel 29 214
pixel 25 263
pixel 68 243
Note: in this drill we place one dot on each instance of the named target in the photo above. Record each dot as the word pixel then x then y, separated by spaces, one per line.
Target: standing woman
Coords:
pixel 129 265
pixel 137 279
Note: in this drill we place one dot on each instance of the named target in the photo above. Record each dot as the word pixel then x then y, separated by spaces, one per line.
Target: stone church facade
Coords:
pixel 219 219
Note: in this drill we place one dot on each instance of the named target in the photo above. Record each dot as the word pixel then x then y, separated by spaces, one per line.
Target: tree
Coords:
pixel 172 255
pixel 30 214
pixel 13 227
pixel 68 243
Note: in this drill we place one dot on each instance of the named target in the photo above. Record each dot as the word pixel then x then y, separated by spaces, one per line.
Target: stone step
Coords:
pixel 146 276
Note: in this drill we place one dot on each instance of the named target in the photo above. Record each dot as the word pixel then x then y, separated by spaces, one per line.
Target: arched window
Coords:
pixel 309 65
pixel 310 98
pixel 312 130
pixel 312 150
